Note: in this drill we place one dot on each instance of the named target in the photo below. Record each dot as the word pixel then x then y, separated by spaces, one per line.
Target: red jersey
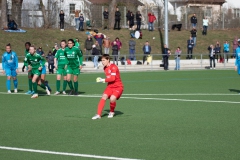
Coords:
pixel 113 76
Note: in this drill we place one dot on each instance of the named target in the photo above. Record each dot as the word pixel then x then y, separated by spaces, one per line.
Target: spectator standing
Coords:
pixel 139 20
pixel 132 45
pixel 117 19
pixel 128 17
pixel 61 16
pixel 76 13
pixel 50 59
pixel 205 26
pixel 194 36
pixel 119 43
pixel 81 22
pixel 190 44
pixel 151 19
pixel 106 45
pixel 146 51
pixel 99 38
pixel 40 52
pixel 217 50
pixel 95 53
pixel 105 16
pixel 226 50
pixel 88 46
pixel 115 52
pixel 212 56
pixel 131 20
pixel 165 57
pixel 194 21
pixel 235 46
pixel 177 58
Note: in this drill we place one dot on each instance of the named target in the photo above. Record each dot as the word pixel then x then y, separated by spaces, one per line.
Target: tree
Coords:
pixel 16 11
pixel 112 7
pixel 45 18
pixel 4 13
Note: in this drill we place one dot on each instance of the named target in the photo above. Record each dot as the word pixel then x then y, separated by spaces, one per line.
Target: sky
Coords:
pixel 233 3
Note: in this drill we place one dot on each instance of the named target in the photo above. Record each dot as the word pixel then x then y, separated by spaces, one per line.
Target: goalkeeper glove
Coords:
pixel 99 79
pixel 23 68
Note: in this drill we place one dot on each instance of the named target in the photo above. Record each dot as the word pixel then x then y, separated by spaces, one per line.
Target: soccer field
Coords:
pixel 161 115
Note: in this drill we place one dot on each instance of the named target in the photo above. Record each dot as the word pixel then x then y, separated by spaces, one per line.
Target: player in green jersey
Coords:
pixel 74 65
pixel 35 64
pixel 30 89
pixel 60 62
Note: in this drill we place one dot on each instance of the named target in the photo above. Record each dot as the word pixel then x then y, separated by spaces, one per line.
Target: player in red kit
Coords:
pixel 114 87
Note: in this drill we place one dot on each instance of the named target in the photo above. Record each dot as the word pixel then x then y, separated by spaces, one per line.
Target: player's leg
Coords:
pixel 116 94
pixel 43 77
pixel 69 75
pixel 8 82
pixel 58 82
pixel 15 81
pixel 64 84
pixel 75 80
pixel 34 82
pixel 30 85
pixel 101 105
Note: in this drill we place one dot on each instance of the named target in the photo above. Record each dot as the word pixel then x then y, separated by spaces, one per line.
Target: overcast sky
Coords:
pixel 233 3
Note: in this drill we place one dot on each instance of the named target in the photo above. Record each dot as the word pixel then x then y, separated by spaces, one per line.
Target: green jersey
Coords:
pixel 24 62
pixel 62 60
pixel 77 44
pixel 74 57
pixel 35 60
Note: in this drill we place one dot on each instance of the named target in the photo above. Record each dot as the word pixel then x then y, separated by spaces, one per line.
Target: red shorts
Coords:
pixel 117 92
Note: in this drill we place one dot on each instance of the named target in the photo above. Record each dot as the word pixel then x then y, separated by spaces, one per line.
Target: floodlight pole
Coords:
pixel 166 22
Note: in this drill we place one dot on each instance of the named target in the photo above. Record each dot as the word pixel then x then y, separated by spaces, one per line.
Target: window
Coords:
pixel 208 12
pixel 72 8
pixel 236 13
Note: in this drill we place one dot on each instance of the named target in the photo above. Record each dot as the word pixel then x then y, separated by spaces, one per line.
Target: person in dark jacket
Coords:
pixel 81 19
pixel 146 51
pixel 117 19
pixel 165 57
pixel 95 53
pixel 217 50
pixel 105 16
pixel 115 52
pixel 132 45
pixel 194 35
pixel 139 20
pixel 131 20
pixel 12 25
pixel 128 17
pixel 99 37
pixel 88 46
pixel 194 21
pixel 190 44
pixel 50 59
pixel 61 16
pixel 212 56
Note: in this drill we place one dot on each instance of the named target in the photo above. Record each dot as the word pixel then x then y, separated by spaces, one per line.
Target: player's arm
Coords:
pixel 3 63
pixel 110 78
pixel 80 58
pixel 55 60
pixel 16 62
pixel 43 61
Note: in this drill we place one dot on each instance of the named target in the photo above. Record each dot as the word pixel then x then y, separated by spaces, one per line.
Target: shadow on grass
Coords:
pixel 117 113
pixel 234 90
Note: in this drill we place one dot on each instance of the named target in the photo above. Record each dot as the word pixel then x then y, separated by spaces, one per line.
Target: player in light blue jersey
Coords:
pixel 10 67
pixel 237 61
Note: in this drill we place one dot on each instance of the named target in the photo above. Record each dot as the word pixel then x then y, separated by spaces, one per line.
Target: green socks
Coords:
pixel 35 87
pixel 58 85
pixel 30 84
pixel 70 85
pixel 43 86
pixel 64 85
pixel 76 86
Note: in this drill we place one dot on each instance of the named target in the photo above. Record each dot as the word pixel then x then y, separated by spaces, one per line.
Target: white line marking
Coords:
pixel 63 153
pixel 140 98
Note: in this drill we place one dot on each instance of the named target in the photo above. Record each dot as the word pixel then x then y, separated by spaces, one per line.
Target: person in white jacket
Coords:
pixel 205 26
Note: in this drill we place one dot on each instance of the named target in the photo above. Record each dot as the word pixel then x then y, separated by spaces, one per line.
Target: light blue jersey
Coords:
pixel 9 60
pixel 237 61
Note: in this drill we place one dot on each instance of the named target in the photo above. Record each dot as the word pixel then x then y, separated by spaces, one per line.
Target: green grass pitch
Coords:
pixel 161 115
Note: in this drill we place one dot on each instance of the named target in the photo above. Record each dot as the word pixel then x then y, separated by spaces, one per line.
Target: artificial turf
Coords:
pixel 161 115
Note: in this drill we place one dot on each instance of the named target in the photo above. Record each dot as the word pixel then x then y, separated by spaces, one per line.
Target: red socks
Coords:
pixel 100 106
pixel 112 106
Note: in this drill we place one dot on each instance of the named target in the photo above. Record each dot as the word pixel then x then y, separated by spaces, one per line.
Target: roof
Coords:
pixel 220 2
pixel 136 2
